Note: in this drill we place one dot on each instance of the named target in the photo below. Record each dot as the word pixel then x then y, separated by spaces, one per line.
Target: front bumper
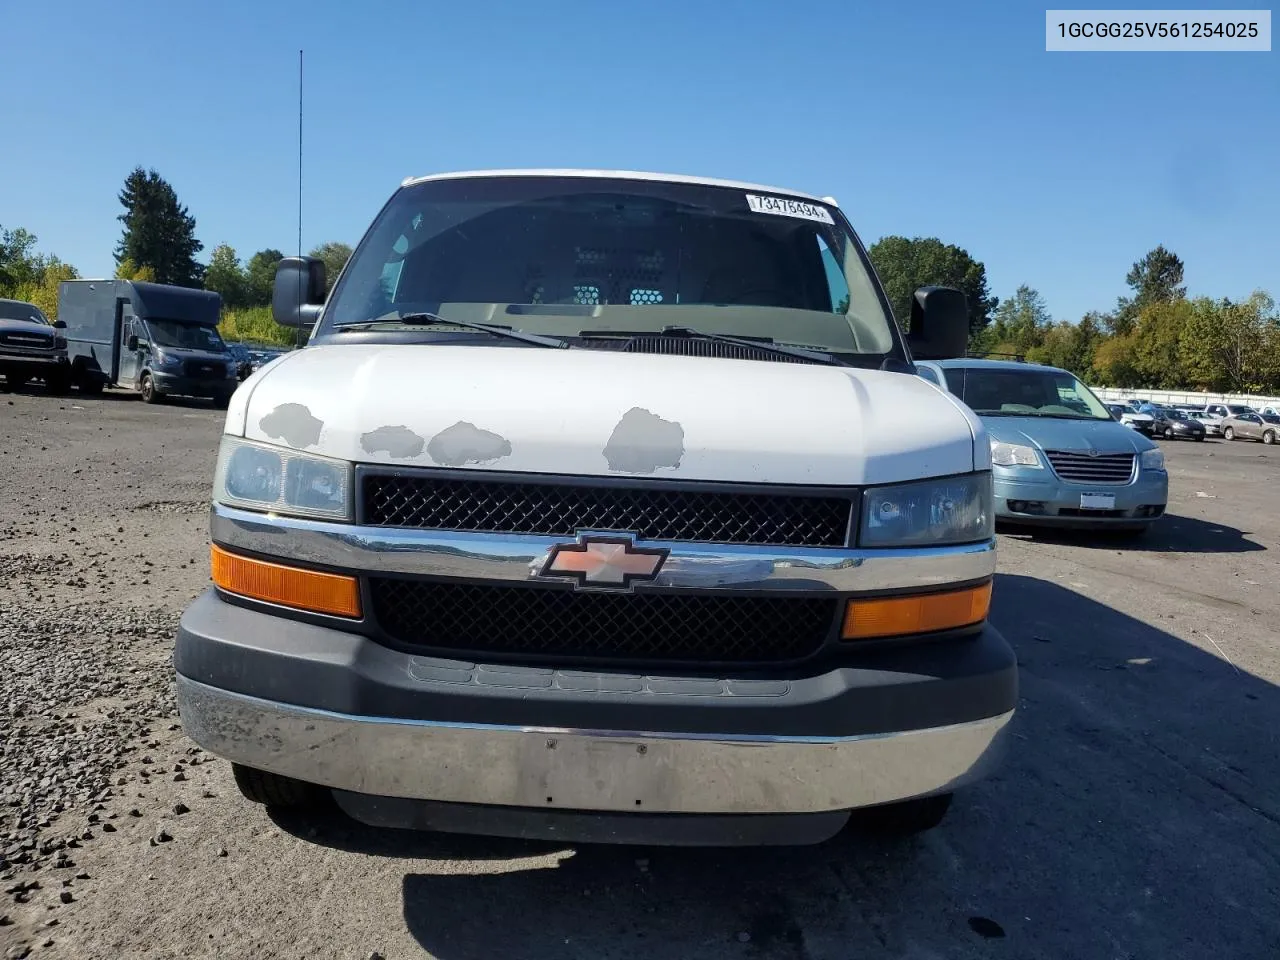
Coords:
pixel 184 386
pixel 34 365
pixel 1051 501
pixel 334 708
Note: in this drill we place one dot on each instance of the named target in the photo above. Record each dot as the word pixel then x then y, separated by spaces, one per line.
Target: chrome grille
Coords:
pixel 654 512
pixel 476 619
pixel 1083 468
pixel 204 369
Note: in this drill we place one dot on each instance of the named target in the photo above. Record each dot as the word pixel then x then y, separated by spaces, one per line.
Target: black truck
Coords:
pixel 31 347
pixel 158 339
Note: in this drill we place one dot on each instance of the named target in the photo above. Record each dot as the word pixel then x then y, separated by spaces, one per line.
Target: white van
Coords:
pixel 604 506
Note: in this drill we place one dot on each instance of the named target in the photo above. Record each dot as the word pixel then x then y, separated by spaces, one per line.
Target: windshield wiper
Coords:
pixel 767 344
pixel 435 320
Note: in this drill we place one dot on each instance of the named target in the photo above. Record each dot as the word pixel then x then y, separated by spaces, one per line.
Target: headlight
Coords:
pixel 258 476
pixel 935 512
pixel 1014 455
pixel 166 360
pixel 1152 459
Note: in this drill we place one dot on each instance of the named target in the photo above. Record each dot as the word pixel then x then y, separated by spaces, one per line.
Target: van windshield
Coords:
pixel 185 336
pixel 563 255
pixel 1025 393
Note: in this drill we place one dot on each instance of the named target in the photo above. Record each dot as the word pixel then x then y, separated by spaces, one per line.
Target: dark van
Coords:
pixel 157 339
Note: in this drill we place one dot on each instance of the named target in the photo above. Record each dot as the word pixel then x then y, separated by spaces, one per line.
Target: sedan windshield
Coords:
pixel 564 256
pixel 1025 393
pixel 185 336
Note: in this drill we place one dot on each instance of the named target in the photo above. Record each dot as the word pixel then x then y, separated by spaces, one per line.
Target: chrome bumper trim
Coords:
pixel 516 558
pixel 587 769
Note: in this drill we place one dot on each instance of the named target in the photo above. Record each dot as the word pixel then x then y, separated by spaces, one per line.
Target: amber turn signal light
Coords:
pixel 294 587
pixel 928 613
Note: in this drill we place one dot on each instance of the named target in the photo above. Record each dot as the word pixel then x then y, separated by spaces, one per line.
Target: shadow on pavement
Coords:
pixel 1171 534
pixel 1137 815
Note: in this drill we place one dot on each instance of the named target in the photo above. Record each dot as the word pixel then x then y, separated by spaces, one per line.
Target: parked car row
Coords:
pixel 1231 421
pixel 159 340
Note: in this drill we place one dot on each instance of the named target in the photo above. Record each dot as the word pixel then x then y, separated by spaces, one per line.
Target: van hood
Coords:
pixel 189 353
pixel 1050 433
pixel 596 413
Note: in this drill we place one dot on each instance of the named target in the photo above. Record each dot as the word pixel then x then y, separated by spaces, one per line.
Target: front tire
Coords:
pixel 147 387
pixel 906 818
pixel 1228 433
pixel 1269 437
pixel 275 791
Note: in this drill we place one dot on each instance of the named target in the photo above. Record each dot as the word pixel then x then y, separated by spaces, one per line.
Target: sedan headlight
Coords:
pixel 935 512
pixel 1152 460
pixel 1014 455
pixel 258 476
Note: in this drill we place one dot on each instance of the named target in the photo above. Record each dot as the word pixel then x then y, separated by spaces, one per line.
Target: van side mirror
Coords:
pixel 59 324
pixel 132 342
pixel 939 324
pixel 298 293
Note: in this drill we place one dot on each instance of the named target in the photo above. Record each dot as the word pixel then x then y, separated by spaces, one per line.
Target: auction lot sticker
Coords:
pixel 782 207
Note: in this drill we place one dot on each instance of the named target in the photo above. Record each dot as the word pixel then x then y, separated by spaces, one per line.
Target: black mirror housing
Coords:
pixel 298 293
pixel 132 342
pixel 939 324
pixel 59 324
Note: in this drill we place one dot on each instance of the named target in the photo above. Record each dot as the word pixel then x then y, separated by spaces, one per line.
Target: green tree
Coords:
pixel 1156 278
pixel 126 269
pixel 335 255
pixel 1116 362
pixel 1158 331
pixel 260 276
pixel 1020 322
pixel 904 265
pixel 225 277
pixel 158 231
pixel 1070 346
pixel 19 264
pixel 1230 346
pixel 43 291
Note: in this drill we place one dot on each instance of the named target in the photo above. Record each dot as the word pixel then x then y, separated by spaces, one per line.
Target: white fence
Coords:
pixel 1114 394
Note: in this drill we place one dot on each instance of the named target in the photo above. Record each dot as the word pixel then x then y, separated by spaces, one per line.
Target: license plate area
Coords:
pixel 1097 501
pixel 596 773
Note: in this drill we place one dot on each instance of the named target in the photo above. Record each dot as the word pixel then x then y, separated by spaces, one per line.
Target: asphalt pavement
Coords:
pixel 1137 816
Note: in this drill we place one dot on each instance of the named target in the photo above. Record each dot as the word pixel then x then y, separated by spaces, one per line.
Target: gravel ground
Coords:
pixel 1138 815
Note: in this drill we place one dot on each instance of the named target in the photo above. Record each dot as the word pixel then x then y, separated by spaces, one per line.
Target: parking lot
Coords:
pixel 1138 814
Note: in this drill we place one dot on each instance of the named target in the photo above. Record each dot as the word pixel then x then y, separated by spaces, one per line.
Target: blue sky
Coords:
pixel 937 119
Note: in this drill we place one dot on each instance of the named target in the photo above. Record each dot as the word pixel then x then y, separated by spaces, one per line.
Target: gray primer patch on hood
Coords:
pixel 642 442
pixel 466 443
pixel 397 441
pixel 292 423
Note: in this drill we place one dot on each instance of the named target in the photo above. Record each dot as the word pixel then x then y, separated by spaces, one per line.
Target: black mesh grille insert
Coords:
pixel 530 621
pixel 480 505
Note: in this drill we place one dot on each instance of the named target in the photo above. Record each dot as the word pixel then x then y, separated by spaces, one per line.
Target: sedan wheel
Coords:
pixel 1269 437
pixel 1228 433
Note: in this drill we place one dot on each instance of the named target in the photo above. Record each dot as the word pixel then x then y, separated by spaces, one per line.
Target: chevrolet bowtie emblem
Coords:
pixel 604 561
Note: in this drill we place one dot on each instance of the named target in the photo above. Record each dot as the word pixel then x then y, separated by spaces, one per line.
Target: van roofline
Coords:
pixel 980 363
pixel 620 175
